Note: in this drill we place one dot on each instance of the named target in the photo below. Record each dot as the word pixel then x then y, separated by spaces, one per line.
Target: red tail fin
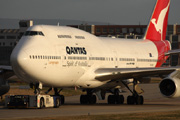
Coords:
pixel 156 29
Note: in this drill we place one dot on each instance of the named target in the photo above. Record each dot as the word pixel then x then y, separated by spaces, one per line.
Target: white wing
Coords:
pixel 104 74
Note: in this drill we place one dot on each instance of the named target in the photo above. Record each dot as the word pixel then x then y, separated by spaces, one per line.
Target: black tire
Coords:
pixel 130 100
pixel 142 100
pixel 41 103
pixel 139 100
pixel 83 99
pixel 119 99
pixel 92 99
pixel 111 99
pixel 58 103
pixel 62 99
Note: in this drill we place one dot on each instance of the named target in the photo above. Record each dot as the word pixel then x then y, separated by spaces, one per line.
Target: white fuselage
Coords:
pixel 68 57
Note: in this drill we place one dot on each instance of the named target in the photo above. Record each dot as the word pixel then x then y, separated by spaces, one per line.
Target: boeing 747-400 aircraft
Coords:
pixel 63 57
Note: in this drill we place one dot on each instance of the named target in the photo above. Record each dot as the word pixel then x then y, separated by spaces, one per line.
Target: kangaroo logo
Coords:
pixel 160 21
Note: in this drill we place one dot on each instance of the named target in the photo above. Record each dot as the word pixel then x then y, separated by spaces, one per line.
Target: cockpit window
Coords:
pixel 33 33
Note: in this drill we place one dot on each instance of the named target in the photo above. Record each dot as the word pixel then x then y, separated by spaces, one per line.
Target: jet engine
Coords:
pixel 170 86
pixel 4 89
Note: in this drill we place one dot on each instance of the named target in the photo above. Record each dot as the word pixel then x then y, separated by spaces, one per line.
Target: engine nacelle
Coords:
pixel 170 87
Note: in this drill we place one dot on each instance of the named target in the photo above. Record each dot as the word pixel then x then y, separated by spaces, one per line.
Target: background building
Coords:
pixel 10 37
pixel 135 32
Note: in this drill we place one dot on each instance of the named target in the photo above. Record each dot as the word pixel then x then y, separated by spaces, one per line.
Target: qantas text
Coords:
pixel 76 50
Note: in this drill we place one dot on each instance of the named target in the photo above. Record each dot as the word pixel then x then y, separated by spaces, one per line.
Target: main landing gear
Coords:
pixel 135 98
pixel 116 98
pixel 89 98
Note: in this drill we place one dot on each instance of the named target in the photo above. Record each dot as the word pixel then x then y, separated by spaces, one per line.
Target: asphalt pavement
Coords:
pixel 154 102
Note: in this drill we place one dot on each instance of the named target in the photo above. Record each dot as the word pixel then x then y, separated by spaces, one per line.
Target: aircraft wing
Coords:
pixel 104 74
pixel 6 71
pixel 4 67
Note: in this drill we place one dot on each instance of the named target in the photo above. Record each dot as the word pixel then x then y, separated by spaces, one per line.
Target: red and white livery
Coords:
pixel 63 57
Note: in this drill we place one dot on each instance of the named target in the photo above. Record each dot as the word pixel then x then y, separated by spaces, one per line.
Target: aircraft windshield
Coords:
pixel 33 33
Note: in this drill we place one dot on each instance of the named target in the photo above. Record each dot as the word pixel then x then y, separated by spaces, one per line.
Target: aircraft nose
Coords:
pixel 19 59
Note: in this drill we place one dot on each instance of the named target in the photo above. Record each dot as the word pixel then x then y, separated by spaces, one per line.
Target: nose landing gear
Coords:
pixel 57 93
pixel 38 87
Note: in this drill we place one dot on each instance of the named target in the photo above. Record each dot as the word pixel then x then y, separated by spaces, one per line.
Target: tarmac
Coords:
pixel 154 102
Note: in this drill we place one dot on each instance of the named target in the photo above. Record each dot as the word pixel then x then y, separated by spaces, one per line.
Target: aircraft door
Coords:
pixel 64 58
pixel 115 59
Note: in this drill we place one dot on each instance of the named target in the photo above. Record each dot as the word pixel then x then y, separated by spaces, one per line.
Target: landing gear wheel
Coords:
pixel 86 99
pixel 57 93
pixel 119 99
pixel 41 103
pixel 62 99
pixel 57 104
pixel 111 99
pixel 142 100
pixel 115 99
pixel 92 99
pixel 83 99
pixel 139 100
pixel 130 100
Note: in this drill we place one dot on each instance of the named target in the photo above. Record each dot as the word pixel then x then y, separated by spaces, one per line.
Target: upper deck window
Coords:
pixel 64 36
pixel 33 33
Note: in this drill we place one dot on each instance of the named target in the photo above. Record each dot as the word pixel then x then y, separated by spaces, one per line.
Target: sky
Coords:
pixel 109 11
